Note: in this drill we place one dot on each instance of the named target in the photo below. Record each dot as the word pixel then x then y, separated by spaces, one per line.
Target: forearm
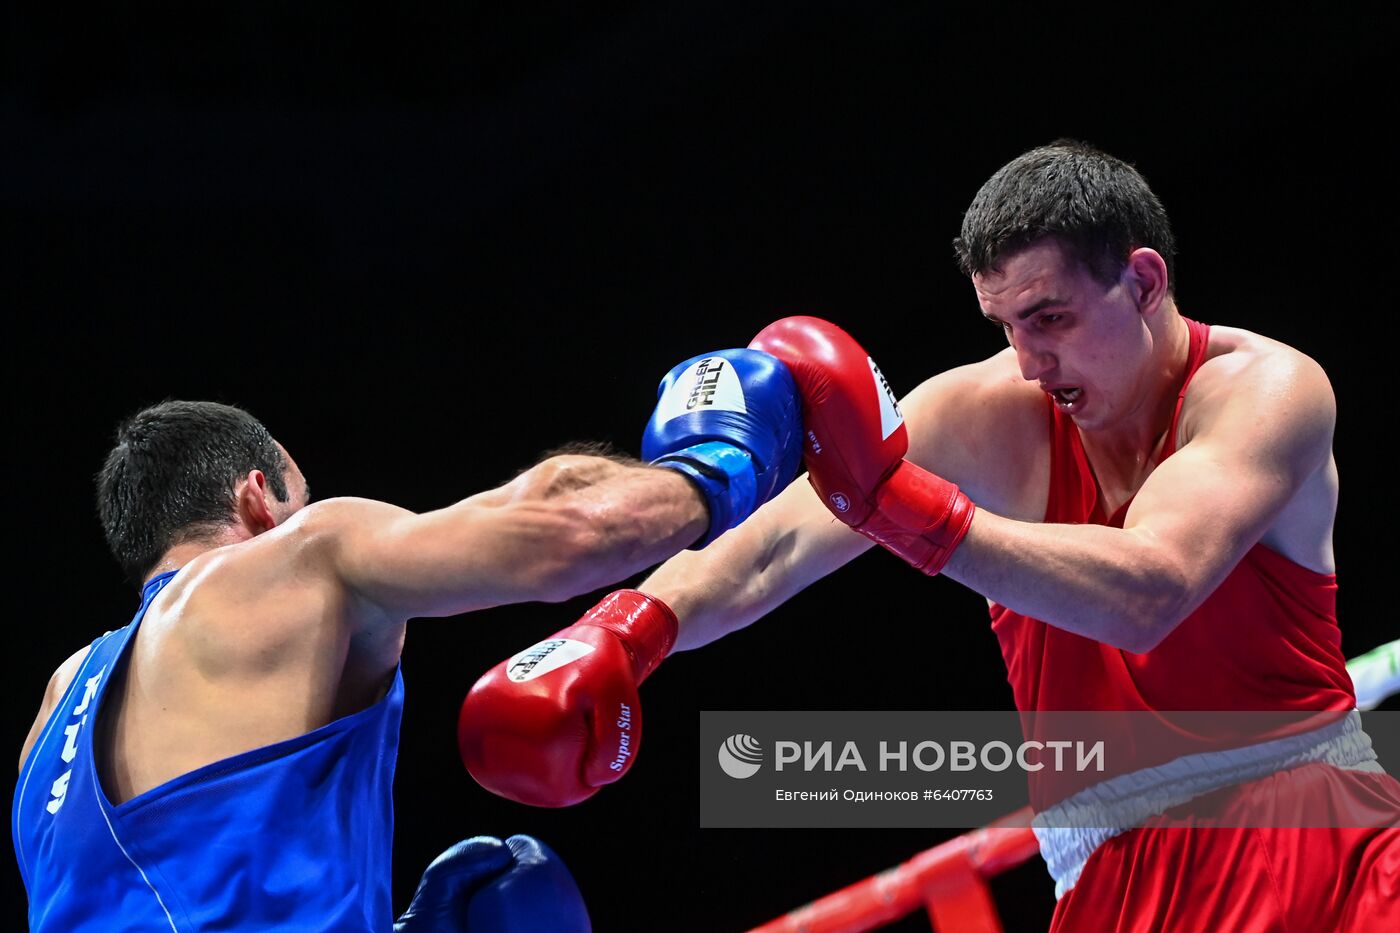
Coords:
pixel 1109 584
pixel 785 547
pixel 622 517
pixel 720 589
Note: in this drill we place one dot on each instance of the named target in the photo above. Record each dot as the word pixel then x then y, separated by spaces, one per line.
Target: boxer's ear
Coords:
pixel 1145 276
pixel 251 504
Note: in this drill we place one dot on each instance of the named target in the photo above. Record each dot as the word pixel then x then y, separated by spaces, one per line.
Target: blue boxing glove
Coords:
pixel 484 885
pixel 732 422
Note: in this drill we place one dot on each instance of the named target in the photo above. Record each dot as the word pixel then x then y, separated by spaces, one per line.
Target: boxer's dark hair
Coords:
pixel 170 478
pixel 1097 205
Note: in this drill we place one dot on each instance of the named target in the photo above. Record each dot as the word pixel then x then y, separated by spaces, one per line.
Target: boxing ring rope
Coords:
pixel 950 879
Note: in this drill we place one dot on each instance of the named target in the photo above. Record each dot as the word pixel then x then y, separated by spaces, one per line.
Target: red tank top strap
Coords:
pixel 1195 356
pixel 1074 493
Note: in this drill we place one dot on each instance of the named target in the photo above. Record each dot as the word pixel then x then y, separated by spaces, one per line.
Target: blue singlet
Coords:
pixel 292 836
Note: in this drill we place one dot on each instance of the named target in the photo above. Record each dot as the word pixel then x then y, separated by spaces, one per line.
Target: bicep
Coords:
pixel 1214 499
pixel 567 526
pixel 468 556
pixel 1205 507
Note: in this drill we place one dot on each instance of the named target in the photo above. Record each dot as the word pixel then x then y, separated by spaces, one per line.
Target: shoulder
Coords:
pixel 1248 373
pixel 63 676
pixel 982 426
pixel 274 582
pixel 313 543
pixel 980 395
pixel 324 526
pixel 1234 351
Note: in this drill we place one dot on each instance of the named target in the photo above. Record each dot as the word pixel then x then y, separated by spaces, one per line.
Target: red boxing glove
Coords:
pixel 551 725
pixel 855 446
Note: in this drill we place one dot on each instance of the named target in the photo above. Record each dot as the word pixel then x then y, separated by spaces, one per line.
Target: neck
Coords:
pixel 185 552
pixel 1139 436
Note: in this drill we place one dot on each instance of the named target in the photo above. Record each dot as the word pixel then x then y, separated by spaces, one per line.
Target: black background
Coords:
pixel 425 244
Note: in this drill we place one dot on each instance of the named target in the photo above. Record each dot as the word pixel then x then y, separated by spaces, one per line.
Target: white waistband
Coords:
pixel 1072 829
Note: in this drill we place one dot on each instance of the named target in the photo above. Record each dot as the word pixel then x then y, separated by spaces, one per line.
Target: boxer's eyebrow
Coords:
pixel 1040 305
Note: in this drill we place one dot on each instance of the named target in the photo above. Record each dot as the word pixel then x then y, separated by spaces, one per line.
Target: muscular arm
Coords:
pixel 1260 430
pixel 1258 434
pixel 567 526
pixel 783 548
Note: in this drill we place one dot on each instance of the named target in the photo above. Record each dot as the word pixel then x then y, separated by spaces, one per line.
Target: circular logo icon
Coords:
pixel 840 501
pixel 740 756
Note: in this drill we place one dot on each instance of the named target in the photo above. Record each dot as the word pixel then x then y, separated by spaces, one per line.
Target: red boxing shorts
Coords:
pixel 1173 873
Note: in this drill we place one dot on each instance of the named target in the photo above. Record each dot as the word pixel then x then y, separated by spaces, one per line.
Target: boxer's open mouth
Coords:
pixel 1067 397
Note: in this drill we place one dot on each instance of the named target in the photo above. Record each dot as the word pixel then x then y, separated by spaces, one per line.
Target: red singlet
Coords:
pixel 1266 639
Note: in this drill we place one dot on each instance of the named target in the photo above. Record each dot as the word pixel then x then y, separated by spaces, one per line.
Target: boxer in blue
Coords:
pixel 225 761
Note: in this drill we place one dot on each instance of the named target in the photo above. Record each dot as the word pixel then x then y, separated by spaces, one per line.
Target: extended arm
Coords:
pixel 724 436
pixel 783 548
pixel 569 525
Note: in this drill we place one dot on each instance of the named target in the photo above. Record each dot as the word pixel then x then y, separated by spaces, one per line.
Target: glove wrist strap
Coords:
pixel 726 478
pixel 920 516
pixel 646 625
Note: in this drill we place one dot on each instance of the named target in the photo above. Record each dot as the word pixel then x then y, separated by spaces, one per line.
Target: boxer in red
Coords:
pixel 1139 496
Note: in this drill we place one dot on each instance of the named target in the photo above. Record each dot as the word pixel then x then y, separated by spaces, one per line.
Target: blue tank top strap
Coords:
pixel 152 587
